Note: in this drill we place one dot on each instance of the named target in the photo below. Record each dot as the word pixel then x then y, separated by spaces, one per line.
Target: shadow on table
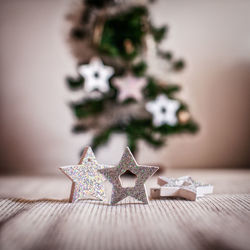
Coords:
pixel 31 201
pixel 66 201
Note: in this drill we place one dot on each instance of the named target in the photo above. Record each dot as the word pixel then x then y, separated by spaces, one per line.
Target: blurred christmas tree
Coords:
pixel 109 40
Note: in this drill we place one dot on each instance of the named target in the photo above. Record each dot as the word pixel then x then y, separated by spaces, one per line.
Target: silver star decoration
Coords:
pixel 87 182
pixel 96 75
pixel 163 110
pixel 183 187
pixel 113 174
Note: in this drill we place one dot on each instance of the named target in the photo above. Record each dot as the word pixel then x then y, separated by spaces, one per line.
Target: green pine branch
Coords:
pixel 153 89
pixel 113 42
pixel 143 130
pixel 139 69
pixel 75 83
pixel 158 33
pixel 176 64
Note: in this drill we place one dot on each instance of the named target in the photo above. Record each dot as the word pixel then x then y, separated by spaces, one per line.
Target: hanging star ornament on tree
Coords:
pixel 128 163
pixel 163 111
pixel 130 87
pixel 87 182
pixel 96 75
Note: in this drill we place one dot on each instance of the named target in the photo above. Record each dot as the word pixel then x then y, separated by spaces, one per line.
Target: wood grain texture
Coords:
pixel 35 214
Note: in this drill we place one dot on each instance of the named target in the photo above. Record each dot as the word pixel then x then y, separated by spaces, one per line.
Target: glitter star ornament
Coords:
pixel 183 187
pixel 96 75
pixel 163 110
pixel 128 163
pixel 129 87
pixel 87 182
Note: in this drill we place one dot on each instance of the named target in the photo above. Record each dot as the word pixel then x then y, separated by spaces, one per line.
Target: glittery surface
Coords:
pixel 184 187
pixel 87 182
pixel 184 181
pixel 142 172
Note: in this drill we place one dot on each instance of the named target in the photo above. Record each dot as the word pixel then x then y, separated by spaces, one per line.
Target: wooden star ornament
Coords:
pixel 163 110
pixel 183 187
pixel 129 87
pixel 87 182
pixel 96 75
pixel 113 174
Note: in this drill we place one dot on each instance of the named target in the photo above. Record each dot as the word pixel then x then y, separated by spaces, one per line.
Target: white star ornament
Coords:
pixel 96 75
pixel 163 110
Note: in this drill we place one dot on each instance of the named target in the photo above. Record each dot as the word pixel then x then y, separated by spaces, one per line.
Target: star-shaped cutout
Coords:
pixel 96 75
pixel 113 174
pixel 86 180
pixel 130 87
pixel 163 110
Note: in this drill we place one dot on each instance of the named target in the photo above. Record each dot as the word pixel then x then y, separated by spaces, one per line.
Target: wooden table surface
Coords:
pixel 35 214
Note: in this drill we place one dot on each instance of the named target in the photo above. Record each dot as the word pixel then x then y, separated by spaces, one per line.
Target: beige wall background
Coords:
pixel 213 37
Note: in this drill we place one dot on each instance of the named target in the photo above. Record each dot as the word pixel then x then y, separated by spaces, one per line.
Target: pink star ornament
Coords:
pixel 129 86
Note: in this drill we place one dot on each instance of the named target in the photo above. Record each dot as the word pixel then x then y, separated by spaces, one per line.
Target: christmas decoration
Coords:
pixel 129 87
pixel 142 173
pixel 183 187
pixel 184 117
pixel 163 110
pixel 86 180
pixel 118 32
pixel 96 75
